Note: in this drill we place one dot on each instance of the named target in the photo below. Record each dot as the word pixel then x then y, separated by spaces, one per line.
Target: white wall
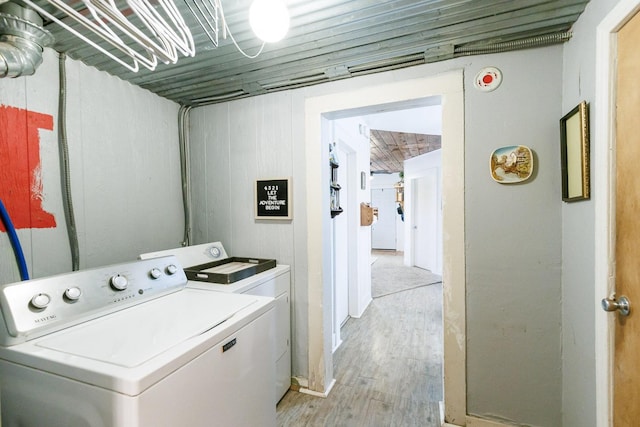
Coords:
pixel 362 299
pixel 513 288
pixel 579 301
pixel 232 145
pixel 125 169
pixel 514 243
pixel 127 189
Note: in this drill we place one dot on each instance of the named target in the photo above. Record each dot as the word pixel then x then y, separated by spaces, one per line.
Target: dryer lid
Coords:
pixel 133 336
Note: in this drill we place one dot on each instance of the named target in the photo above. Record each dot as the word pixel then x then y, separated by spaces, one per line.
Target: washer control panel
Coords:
pixel 193 255
pixel 38 307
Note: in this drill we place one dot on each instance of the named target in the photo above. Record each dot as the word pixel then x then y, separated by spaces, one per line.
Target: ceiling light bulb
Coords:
pixel 269 19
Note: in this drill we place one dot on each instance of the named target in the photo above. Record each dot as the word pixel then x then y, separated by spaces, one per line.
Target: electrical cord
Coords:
pixel 65 173
pixel 224 22
pixel 183 137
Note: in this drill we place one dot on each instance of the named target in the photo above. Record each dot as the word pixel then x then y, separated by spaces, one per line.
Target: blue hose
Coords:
pixel 15 242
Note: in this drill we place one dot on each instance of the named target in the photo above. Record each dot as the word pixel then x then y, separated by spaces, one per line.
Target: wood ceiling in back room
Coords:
pixel 390 149
pixel 336 39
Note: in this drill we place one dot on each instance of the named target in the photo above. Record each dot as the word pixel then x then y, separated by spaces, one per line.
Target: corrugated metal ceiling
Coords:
pixel 337 39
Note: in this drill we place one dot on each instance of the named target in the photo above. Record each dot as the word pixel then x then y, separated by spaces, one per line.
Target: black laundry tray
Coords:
pixel 228 270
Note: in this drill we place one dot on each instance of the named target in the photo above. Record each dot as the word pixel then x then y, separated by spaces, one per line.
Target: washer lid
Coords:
pixel 131 337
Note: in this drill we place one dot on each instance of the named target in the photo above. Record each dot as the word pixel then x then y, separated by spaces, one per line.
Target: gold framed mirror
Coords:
pixel 574 153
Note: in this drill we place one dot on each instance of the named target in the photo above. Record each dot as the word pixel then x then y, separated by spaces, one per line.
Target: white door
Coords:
pixel 425 221
pixel 383 231
pixel 341 245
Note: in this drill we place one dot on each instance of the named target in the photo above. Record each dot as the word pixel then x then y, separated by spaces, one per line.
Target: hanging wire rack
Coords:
pixel 158 34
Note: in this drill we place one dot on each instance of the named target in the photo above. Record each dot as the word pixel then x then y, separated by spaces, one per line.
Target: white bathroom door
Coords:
pixel 425 221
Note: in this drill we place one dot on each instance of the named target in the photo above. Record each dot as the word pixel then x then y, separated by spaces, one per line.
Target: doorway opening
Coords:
pixel 319 111
pixel 395 266
pixel 370 144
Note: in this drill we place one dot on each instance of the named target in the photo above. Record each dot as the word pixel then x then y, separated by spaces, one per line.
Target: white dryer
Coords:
pixel 274 282
pixel 130 345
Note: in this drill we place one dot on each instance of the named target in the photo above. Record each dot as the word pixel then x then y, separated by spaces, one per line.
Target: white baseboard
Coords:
pixel 481 422
pixel 363 309
pixel 472 421
pixel 319 393
pixel 338 344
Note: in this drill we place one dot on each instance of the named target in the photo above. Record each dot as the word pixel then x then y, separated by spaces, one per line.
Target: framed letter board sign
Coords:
pixel 273 199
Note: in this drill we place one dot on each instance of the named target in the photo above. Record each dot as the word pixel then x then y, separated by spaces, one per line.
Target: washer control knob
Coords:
pixel 73 293
pixel 214 251
pixel 40 301
pixel 119 282
pixel 172 269
pixel 155 273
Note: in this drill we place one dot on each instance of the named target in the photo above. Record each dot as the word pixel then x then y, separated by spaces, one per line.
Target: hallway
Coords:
pixel 389 368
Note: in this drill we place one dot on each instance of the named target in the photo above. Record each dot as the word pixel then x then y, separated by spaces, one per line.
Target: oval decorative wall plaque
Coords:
pixel 511 164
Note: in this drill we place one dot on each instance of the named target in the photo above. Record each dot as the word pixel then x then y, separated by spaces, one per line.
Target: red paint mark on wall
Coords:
pixel 20 171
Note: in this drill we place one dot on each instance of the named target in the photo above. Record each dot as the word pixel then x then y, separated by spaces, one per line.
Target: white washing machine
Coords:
pixel 274 282
pixel 130 345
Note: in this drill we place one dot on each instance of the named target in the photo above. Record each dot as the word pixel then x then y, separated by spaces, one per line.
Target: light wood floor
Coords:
pixel 388 369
